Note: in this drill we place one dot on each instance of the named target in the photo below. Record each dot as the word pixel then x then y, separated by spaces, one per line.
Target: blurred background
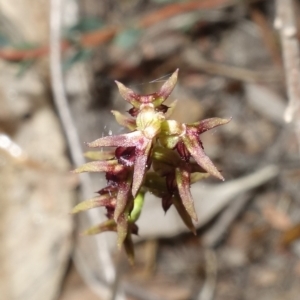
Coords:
pixel 58 62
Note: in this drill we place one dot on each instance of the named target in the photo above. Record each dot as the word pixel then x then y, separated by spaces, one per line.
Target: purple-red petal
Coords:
pixel 122 228
pixel 103 200
pixel 183 214
pixel 108 225
pixel 122 198
pixel 208 124
pixel 140 165
pixel 122 140
pixel 128 94
pixel 193 146
pixel 168 86
pixel 100 166
pixel 183 183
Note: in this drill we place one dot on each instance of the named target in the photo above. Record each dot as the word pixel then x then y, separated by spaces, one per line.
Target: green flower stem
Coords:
pixel 137 207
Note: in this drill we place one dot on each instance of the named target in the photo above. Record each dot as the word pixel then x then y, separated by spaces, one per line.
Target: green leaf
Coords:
pixel 87 25
pixel 128 38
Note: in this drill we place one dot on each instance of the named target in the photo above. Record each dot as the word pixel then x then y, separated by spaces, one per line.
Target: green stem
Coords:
pixel 137 207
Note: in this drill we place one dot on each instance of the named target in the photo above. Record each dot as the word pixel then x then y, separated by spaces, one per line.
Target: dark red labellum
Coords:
pixel 170 183
pixel 134 229
pixel 133 112
pixel 125 155
pixel 166 202
pixel 162 108
pixel 183 151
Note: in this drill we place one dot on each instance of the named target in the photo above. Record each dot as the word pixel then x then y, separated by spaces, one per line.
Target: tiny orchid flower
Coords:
pixel 142 146
pixel 193 144
pixel 157 155
pixel 185 138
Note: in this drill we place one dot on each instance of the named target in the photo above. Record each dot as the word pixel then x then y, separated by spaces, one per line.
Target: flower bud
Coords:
pixel 149 122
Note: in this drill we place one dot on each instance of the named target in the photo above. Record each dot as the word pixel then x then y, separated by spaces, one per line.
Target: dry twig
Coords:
pixel 66 119
pixel 214 234
pixel 286 24
pixel 268 36
pixel 208 290
pixel 195 60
